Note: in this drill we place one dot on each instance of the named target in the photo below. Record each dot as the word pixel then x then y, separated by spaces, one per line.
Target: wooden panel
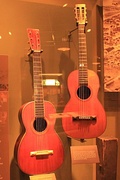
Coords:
pixel 107 150
pixel 4 143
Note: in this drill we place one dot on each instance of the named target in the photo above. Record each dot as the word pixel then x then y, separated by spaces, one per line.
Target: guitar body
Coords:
pixel 82 127
pixel 31 141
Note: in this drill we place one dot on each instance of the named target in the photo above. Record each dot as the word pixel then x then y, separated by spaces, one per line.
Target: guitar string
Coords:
pixel 84 76
pixel 82 68
pixel 35 103
pixel 80 71
pixel 83 83
pixel 39 113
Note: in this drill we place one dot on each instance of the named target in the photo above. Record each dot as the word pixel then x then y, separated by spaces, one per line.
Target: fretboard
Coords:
pixel 38 86
pixel 82 58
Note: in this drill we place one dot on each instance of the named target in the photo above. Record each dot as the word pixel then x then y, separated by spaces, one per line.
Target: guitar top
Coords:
pixel 38 149
pixel 88 119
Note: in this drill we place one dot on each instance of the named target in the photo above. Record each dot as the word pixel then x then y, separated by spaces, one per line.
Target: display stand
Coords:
pixel 107 150
pixel 43 177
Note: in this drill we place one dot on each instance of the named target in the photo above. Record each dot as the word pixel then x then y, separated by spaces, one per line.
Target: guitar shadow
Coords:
pixel 15 172
pixel 66 66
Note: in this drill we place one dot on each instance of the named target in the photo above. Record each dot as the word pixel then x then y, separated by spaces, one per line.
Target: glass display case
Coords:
pixel 62 27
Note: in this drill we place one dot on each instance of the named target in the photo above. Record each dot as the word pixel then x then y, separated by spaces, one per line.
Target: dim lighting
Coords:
pixel 65 5
pixel 89 30
pixel 53 37
pixel 10 33
pixel 51 82
pixel 64 49
pixel 52 74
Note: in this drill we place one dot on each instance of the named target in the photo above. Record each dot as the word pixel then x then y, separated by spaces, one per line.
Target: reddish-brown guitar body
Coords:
pixel 32 141
pixel 81 129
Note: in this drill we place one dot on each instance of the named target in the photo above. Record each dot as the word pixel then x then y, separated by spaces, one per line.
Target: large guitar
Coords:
pixel 38 149
pixel 88 119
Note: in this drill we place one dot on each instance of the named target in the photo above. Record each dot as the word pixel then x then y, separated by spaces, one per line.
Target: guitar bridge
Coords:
pixel 84 118
pixel 41 153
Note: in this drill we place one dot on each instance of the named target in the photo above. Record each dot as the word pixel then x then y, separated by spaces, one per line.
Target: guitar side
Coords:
pixel 46 144
pixel 91 107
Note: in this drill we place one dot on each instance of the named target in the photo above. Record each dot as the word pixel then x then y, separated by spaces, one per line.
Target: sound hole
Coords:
pixel 40 124
pixel 83 92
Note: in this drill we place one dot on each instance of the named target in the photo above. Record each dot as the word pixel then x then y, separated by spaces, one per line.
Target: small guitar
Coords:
pixel 88 119
pixel 38 149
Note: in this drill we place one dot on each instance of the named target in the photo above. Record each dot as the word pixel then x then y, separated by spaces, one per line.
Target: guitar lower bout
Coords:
pixel 36 146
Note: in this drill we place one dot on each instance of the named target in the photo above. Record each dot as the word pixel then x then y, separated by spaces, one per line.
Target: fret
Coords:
pixel 82 55
pixel 36 83
pixel 37 86
pixel 39 110
pixel 38 96
pixel 84 73
pixel 83 82
pixel 38 100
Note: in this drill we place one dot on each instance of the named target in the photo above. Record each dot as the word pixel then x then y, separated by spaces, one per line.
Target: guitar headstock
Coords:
pixel 34 39
pixel 80 13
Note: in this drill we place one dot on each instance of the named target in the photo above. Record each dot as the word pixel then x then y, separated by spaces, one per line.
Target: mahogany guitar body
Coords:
pixel 90 118
pixel 32 141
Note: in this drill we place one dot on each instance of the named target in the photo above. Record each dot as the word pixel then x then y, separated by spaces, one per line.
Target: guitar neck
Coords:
pixel 38 86
pixel 82 59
